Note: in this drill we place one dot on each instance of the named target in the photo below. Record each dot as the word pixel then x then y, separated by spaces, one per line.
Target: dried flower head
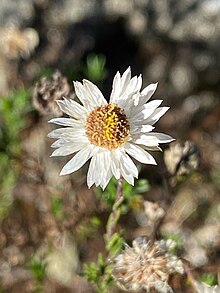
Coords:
pixel 109 133
pixel 181 159
pixel 151 215
pixel 48 91
pixel 146 265
pixel 15 43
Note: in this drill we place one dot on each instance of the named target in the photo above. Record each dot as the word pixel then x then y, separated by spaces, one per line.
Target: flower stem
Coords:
pixel 116 212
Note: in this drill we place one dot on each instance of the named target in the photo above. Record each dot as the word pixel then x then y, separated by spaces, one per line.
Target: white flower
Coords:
pixel 109 133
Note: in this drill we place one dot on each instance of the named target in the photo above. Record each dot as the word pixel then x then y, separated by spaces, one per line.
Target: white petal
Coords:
pixel 120 85
pixel 99 169
pixel 67 149
pixel 106 179
pixel 152 148
pixel 126 105
pixel 67 122
pixel 115 166
pixel 130 89
pixel 59 132
pixel 92 171
pixel 72 108
pixel 129 165
pixel 140 129
pixel 125 80
pixel 148 142
pixel 116 87
pixel 106 173
pixel 95 93
pixel 157 137
pixel 77 161
pixel 126 76
pixel 159 112
pixel 143 112
pixel 58 143
pixel 67 133
pixel 147 93
pixel 126 174
pixel 139 154
pixel 84 96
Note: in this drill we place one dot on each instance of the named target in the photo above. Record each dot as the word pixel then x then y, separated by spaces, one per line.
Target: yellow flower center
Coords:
pixel 107 126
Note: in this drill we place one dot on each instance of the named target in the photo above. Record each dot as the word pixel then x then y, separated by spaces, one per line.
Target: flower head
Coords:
pixel 109 133
pixel 146 265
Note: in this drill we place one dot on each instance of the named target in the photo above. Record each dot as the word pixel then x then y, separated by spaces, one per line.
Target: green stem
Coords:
pixel 116 211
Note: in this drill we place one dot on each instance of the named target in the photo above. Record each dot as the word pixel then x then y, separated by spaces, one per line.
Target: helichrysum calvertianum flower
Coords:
pixel 109 133
pixel 146 265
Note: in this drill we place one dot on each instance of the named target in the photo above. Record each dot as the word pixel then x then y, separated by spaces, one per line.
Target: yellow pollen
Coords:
pixel 107 126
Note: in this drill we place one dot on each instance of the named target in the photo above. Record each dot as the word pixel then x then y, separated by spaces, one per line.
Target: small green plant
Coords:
pixel 95 68
pixel 88 227
pixel 99 274
pixel 37 268
pixel 56 206
pixel 209 279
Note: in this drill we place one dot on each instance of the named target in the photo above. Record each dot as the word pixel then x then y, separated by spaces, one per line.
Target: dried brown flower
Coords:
pixel 151 215
pixel 15 43
pixel 146 265
pixel 48 91
pixel 181 159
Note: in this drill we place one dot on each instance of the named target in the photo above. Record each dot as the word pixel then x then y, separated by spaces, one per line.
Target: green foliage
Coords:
pixel 95 68
pixel 94 270
pixel 56 206
pixel 130 193
pixel 37 268
pixel 12 120
pixel 99 274
pixel 88 228
pixel 177 238
pixel 12 112
pixel 209 279
pixel 114 244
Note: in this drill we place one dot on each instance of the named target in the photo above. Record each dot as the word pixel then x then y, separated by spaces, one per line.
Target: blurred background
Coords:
pixel 50 226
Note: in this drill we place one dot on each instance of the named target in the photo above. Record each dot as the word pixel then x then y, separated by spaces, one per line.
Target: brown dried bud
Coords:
pixel 48 91
pixel 146 265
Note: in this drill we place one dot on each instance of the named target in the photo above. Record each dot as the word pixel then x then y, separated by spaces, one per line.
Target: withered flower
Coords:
pixel 182 158
pixel 146 265
pixel 16 43
pixel 48 91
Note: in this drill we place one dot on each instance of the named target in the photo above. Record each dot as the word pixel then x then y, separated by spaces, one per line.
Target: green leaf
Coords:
pixel 37 268
pixel 95 70
pixel 209 279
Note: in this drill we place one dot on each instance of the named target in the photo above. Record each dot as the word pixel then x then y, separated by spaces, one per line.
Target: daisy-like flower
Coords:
pixel 109 133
